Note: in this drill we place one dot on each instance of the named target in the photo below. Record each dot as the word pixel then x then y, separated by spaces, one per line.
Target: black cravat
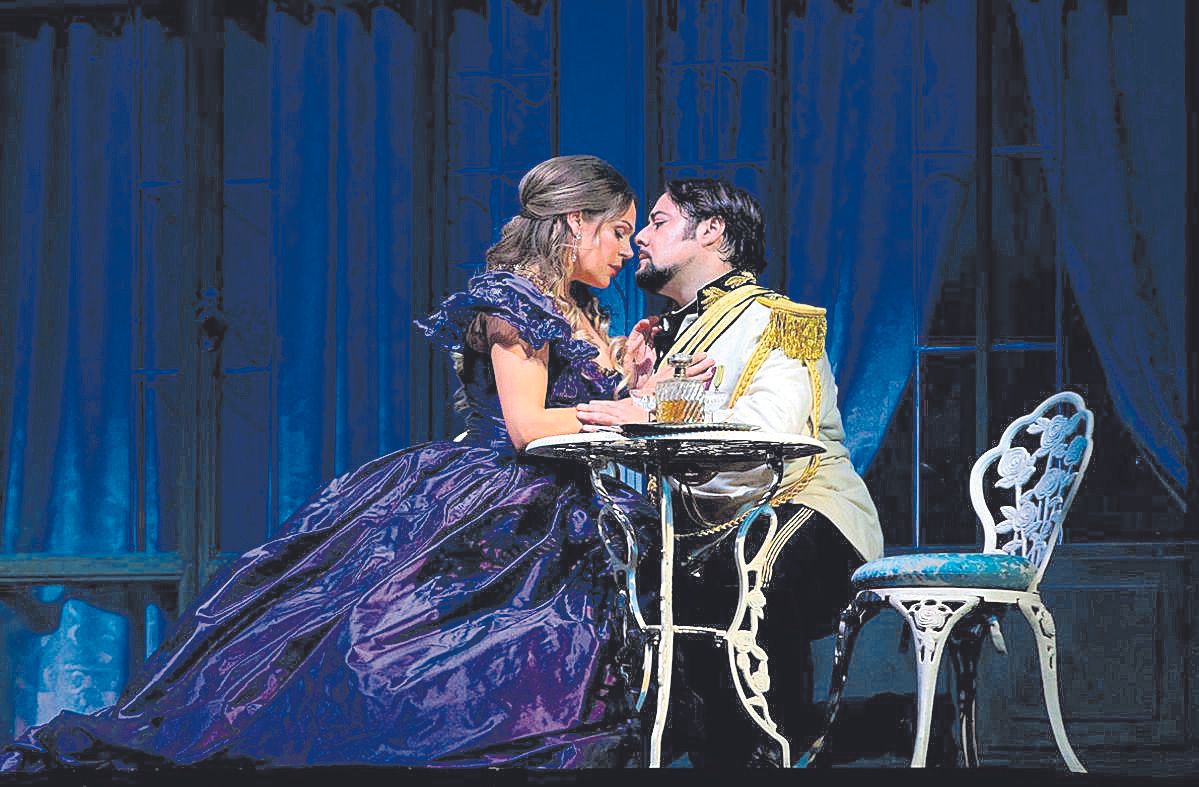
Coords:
pixel 671 322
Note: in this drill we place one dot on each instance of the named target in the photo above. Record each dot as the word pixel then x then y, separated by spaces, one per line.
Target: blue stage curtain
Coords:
pixel 1120 192
pixel 813 112
pixel 69 244
pixel 340 227
pixel 601 96
pixel 338 207
pixel 853 175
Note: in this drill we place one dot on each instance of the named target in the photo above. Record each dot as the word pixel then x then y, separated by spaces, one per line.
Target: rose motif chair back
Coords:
pixel 1039 463
pixel 1021 491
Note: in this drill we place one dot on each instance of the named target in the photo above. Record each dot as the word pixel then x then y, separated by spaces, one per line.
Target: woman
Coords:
pixel 447 604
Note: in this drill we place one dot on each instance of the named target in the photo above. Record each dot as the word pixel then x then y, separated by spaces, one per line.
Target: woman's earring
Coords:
pixel 573 250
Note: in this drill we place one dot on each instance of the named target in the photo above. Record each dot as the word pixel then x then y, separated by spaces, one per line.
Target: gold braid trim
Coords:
pixel 708 531
pixel 780 540
pixel 795 329
pixel 717 317
pixel 799 331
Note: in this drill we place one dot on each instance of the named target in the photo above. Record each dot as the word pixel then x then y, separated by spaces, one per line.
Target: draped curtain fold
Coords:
pixel 318 296
pixel 852 178
pixel 1120 193
pixel 69 234
pixel 342 216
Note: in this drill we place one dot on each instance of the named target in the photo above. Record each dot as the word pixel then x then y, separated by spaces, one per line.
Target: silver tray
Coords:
pixel 659 429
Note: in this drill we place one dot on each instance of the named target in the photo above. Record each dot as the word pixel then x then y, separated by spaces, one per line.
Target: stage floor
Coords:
pixel 1136 769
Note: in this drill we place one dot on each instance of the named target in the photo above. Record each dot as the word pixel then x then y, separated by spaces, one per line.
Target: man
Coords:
pixel 703 249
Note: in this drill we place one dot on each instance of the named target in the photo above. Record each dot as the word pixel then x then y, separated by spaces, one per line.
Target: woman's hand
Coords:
pixel 702 368
pixel 602 412
pixel 639 357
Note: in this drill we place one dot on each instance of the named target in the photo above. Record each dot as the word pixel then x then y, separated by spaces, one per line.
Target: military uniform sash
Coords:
pixel 716 318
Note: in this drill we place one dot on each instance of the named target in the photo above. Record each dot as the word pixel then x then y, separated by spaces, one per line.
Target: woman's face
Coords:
pixel 603 248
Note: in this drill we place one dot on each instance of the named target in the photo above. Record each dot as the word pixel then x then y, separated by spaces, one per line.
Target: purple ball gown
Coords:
pixel 447 604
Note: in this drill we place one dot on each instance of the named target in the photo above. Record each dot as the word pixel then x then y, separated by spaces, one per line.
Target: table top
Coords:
pixel 696 448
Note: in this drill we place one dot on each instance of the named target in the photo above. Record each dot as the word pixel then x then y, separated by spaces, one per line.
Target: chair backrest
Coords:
pixel 1040 460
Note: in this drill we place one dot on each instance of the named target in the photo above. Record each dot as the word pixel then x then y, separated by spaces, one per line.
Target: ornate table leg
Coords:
pixel 666 632
pixel 748 661
pixel 624 567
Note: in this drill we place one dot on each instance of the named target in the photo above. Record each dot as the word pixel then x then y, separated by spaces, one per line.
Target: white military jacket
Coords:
pixel 772 371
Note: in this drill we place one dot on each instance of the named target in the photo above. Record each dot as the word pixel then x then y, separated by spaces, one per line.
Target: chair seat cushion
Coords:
pixel 946 569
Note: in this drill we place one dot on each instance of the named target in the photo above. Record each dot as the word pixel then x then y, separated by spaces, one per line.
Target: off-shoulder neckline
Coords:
pixel 553 306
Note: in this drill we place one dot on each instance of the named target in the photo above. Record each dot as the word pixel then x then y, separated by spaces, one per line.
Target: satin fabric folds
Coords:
pixel 447 604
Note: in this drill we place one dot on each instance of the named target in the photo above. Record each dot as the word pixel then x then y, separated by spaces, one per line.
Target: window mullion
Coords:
pixel 984 257
pixel 1192 257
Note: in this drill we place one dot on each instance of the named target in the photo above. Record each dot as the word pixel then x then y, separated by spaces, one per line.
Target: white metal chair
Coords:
pixel 954 598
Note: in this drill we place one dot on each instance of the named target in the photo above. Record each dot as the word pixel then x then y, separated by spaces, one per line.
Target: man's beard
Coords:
pixel 652 278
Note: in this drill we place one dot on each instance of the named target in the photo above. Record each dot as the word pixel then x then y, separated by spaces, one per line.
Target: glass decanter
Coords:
pixel 680 400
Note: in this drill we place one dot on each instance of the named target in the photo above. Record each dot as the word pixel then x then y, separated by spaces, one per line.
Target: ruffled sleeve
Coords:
pixel 511 298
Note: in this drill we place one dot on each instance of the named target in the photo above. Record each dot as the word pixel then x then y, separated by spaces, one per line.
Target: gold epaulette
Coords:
pixel 795 328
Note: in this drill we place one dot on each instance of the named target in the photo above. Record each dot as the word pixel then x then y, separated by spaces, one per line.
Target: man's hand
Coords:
pixel 602 412
pixel 702 368
pixel 639 357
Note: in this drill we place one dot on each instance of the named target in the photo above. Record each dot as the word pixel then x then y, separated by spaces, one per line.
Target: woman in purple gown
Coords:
pixel 447 604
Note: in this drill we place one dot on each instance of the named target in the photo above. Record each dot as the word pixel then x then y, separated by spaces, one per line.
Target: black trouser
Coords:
pixel 808 587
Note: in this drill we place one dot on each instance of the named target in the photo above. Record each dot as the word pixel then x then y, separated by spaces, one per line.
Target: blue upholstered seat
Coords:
pixel 947 569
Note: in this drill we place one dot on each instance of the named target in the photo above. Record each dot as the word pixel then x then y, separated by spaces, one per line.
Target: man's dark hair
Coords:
pixel 744 245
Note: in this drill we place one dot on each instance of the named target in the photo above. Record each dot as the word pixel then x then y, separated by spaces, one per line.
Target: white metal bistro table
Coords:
pixel 685 456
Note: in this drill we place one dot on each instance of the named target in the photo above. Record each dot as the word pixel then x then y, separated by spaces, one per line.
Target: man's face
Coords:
pixel 665 245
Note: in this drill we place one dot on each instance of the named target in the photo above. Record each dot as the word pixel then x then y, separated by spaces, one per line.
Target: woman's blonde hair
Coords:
pixel 538 242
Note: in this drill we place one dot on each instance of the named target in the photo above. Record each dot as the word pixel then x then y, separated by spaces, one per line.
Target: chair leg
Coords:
pixel 1045 632
pixel 861 609
pixel 931 621
pixel 965 647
